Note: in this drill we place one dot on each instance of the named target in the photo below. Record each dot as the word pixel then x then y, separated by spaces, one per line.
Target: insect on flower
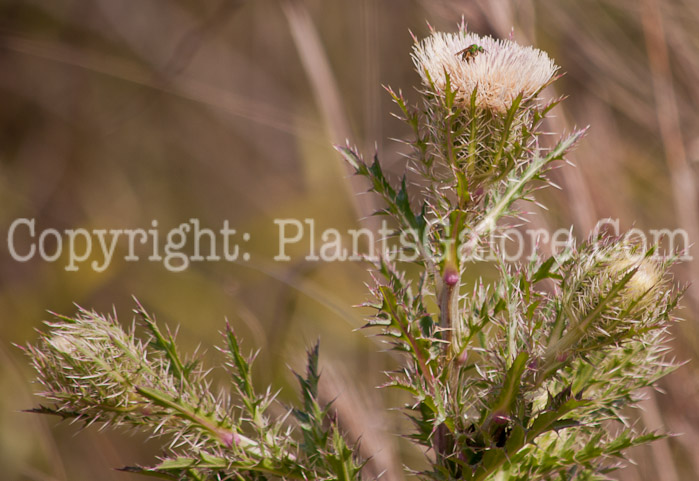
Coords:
pixel 470 52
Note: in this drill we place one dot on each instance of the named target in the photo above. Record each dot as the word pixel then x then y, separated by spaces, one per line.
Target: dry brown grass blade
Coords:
pixel 662 455
pixel 363 417
pixel 370 73
pixel 327 94
pixel 684 186
pixel 317 66
pixel 681 417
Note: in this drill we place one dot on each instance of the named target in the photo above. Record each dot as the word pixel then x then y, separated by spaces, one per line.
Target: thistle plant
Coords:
pixel 530 377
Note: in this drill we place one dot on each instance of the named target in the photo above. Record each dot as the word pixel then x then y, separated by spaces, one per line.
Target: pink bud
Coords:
pixel 463 357
pixel 500 418
pixel 451 276
pixel 229 438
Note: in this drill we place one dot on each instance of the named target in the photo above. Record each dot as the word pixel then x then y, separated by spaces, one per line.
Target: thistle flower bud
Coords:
pixel 609 292
pixel 645 284
pixel 94 370
pixel 610 265
pixel 103 362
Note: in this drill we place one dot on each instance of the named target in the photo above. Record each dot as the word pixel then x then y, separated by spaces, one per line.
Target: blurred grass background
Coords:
pixel 117 112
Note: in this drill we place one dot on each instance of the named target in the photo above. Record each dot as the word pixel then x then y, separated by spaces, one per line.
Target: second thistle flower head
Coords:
pixel 500 70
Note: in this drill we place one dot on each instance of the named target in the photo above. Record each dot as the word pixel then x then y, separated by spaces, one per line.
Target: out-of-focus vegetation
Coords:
pixel 116 113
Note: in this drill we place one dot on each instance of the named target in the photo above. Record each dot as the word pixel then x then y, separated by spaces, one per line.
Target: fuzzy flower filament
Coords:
pixel 499 74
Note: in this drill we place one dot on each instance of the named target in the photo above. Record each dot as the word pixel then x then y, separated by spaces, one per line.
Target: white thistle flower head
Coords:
pixel 502 71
